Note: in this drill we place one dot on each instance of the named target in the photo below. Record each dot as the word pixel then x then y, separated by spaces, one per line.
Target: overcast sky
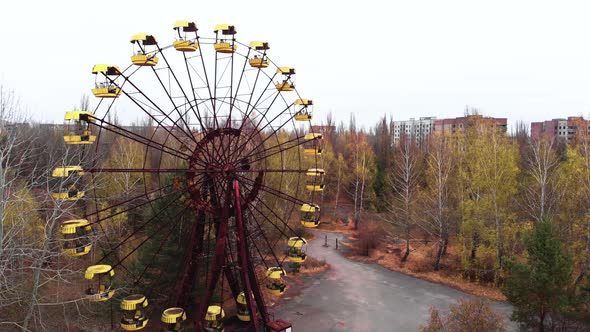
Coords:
pixel 524 60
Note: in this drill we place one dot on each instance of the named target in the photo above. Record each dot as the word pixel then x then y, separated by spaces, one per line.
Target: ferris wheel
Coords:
pixel 225 159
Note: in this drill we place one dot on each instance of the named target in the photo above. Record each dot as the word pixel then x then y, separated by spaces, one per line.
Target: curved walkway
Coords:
pixel 358 296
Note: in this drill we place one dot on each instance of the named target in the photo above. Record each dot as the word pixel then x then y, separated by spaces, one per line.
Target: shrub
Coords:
pixel 369 235
pixel 466 316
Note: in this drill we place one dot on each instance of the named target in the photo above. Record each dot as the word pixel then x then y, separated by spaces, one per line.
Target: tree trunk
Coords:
pixel 37 267
pixel 2 203
pixel 473 255
pixel 362 193
pixel 583 270
pixel 337 193
pixel 542 321
pixel 407 253
pixel 439 253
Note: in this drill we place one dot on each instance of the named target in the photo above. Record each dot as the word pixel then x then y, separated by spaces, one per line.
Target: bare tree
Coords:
pixel 31 274
pixel 404 181
pixel 362 165
pixel 541 161
pixel 582 145
pixel 440 165
pixel 339 161
pixel 84 103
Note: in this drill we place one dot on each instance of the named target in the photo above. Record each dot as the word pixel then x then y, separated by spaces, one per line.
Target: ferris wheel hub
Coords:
pixel 225 155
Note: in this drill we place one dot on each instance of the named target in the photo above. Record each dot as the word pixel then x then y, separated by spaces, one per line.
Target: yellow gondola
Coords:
pixel 72 194
pixel 295 252
pixel 276 286
pixel 221 44
pixel 68 177
pixel 313 144
pixel 303 113
pixel 104 86
pixel 134 317
pixel 101 291
pixel 65 171
pixel 174 317
pixel 315 179
pixel 77 128
pixel 243 312
pixel 286 84
pixel 76 237
pixel 141 56
pixel 310 215
pixel 214 319
pixel 259 61
pixel 182 43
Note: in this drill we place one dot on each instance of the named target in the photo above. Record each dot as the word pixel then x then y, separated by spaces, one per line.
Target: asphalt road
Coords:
pixel 358 296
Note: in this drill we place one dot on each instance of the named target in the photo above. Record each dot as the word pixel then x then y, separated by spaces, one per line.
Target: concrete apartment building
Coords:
pixel 459 124
pixel 565 129
pixel 418 129
pixel 422 128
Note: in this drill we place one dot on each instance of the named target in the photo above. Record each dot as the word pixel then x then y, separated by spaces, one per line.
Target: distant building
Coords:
pixel 419 129
pixel 422 128
pixel 565 129
pixel 459 124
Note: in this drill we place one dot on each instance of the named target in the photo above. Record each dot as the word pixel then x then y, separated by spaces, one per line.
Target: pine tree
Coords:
pixel 538 288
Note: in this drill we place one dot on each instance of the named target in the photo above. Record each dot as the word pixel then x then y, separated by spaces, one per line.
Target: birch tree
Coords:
pixel 404 182
pixel 541 161
pixel 440 165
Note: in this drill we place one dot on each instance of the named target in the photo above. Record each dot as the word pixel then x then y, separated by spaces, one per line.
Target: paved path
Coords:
pixel 358 296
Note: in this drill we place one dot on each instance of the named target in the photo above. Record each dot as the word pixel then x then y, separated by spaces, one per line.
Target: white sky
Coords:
pixel 525 60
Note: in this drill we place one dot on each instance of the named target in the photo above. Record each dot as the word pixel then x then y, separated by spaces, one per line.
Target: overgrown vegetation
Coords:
pixel 476 190
pixel 481 198
pixel 466 316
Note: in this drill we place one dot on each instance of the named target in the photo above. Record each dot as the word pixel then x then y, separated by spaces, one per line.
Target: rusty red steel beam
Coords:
pixel 249 285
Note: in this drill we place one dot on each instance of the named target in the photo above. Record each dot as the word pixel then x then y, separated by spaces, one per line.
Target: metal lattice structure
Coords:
pixel 228 155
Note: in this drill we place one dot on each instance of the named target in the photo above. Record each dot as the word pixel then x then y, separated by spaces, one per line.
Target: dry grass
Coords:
pixel 313 266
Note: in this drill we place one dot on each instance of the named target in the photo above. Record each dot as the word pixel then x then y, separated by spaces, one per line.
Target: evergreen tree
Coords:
pixel 538 288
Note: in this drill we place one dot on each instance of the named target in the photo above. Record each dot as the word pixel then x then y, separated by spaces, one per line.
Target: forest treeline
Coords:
pixel 479 189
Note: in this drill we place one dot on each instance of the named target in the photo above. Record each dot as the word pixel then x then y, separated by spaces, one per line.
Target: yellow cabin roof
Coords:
pixel 71 226
pixel 98 269
pixel 185 25
pixel 311 136
pixel 147 39
pixel 241 298
pixel 172 315
pixel 106 69
pixel 275 272
pixel 315 172
pixel 213 311
pixel 296 242
pixel 130 302
pixel 60 172
pixel 304 102
pixel 286 70
pixel 75 115
pixel 309 208
pixel 259 45
pixel 226 29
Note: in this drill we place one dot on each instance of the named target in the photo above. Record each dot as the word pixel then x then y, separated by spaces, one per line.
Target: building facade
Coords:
pixel 565 129
pixel 422 128
pixel 459 124
pixel 417 129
